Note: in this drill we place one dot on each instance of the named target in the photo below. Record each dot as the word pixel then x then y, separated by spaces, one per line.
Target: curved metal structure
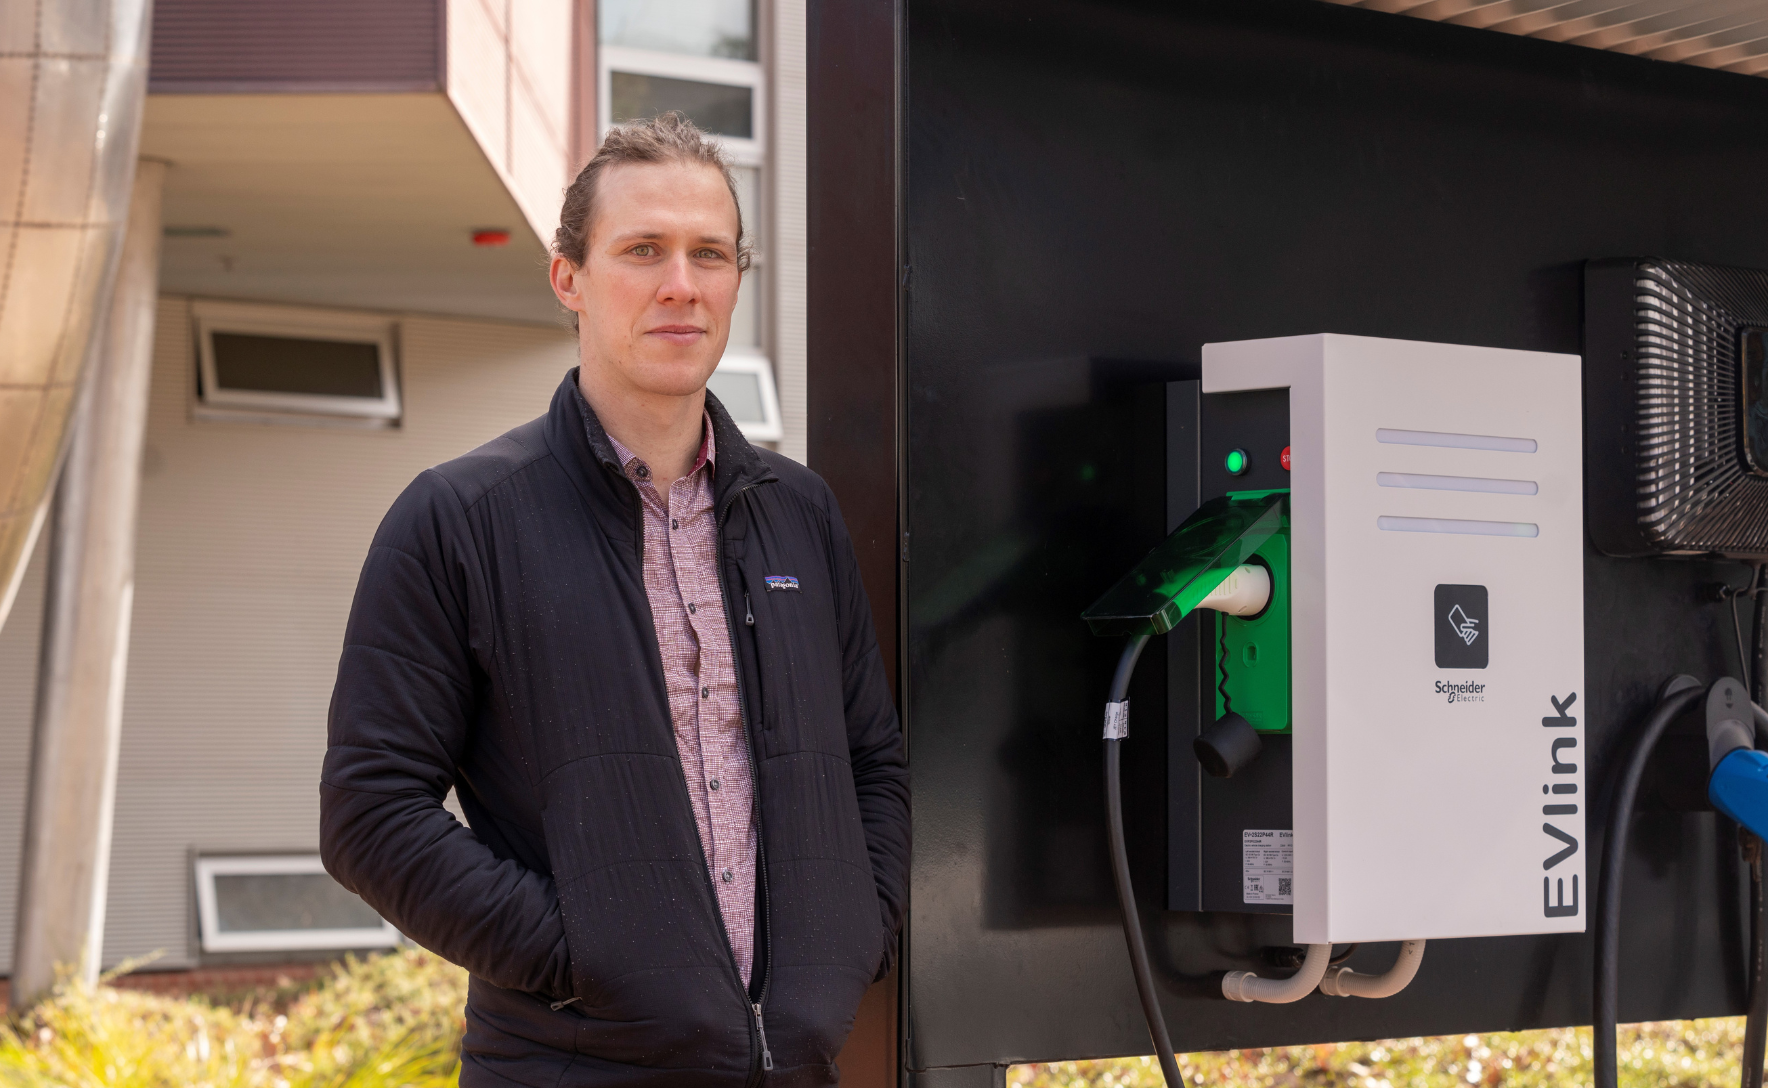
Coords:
pixel 72 77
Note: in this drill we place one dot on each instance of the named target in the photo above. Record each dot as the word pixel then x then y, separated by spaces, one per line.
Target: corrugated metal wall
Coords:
pixel 243 45
pixel 250 541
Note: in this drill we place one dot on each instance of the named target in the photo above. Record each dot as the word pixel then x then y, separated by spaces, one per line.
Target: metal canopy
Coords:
pixel 1729 35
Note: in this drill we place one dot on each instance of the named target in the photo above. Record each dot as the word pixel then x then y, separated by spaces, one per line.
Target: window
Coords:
pixel 744 384
pixel 282 359
pixel 723 97
pixel 702 28
pixel 281 903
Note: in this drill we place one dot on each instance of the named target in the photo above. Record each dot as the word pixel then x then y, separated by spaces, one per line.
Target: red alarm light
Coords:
pixel 491 237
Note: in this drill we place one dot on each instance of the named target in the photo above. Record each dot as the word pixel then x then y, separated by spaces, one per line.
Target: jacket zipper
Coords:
pixel 761 1029
pixel 767 1062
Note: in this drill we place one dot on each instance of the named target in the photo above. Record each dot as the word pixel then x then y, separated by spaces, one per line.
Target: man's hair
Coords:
pixel 667 138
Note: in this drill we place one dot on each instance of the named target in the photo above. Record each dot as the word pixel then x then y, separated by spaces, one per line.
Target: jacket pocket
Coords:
pixel 628 868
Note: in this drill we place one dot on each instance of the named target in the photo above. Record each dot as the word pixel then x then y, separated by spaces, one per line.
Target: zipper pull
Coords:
pixel 557 1005
pixel 761 1029
pixel 748 613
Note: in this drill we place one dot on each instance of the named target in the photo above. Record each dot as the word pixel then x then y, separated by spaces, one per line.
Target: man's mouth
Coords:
pixel 678 334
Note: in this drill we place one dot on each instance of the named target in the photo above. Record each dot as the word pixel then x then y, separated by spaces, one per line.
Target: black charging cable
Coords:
pixel 1677 697
pixel 1755 1032
pixel 1120 869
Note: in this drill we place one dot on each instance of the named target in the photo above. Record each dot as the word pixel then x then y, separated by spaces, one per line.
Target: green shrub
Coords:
pixel 394 1021
pixel 1673 1054
pixel 390 1021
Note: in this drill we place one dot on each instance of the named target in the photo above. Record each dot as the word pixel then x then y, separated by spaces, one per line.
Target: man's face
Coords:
pixel 659 277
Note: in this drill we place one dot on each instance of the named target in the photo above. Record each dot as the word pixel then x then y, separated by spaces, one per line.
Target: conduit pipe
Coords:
pixel 1344 982
pixel 1246 986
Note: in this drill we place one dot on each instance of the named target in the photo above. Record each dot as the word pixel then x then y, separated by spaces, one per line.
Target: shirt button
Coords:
pixel 714 783
pixel 692 608
pixel 705 692
pixel 727 876
pixel 642 472
pixel 674 523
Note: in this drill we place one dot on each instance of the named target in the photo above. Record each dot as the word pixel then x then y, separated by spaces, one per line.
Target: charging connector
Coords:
pixel 1738 783
pixel 1245 592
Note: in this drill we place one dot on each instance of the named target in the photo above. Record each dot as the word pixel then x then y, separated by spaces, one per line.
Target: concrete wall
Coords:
pixel 251 538
pixel 790 256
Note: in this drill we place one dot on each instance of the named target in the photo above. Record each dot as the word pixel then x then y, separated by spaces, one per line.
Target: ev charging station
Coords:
pixel 1361 424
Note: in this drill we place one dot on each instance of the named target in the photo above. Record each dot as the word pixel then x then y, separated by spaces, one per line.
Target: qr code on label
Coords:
pixel 1283 888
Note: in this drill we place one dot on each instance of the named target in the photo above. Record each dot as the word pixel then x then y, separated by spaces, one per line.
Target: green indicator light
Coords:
pixel 1236 462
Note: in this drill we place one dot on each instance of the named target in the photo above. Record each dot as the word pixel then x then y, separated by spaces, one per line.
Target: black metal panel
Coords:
pixel 1091 184
pixel 1187 661
pixel 1258 798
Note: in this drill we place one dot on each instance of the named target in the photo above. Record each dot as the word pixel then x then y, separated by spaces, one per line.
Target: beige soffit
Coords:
pixel 365 201
pixel 71 83
pixel 1730 35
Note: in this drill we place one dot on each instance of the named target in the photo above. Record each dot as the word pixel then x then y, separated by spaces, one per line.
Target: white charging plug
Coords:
pixel 1243 593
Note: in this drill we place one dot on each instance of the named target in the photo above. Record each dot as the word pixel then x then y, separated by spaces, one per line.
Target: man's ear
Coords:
pixel 567 284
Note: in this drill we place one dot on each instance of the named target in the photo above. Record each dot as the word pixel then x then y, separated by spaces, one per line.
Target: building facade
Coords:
pixel 357 207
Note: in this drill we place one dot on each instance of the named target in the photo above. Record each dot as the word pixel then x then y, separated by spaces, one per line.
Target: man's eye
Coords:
pixel 710 255
pixel 644 251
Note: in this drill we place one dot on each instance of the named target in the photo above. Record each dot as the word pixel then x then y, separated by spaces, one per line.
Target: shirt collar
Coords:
pixel 708 450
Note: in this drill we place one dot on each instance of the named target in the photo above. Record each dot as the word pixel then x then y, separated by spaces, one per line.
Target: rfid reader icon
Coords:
pixel 1466 628
pixel 1462 627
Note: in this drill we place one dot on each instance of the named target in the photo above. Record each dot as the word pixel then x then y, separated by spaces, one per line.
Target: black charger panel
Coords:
pixel 1207 817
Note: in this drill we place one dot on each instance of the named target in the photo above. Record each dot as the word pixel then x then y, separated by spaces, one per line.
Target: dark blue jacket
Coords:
pixel 501 644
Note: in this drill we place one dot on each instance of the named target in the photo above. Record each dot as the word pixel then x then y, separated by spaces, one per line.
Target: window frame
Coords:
pixel 274 940
pixel 772 427
pixel 253 319
pixel 648 62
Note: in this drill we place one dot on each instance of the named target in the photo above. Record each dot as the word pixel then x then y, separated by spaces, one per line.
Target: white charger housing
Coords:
pixel 1436 534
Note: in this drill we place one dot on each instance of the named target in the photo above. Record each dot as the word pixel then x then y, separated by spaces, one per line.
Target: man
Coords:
pixel 639 650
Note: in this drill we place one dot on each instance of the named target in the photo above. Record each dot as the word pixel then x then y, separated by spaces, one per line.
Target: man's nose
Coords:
pixel 680 286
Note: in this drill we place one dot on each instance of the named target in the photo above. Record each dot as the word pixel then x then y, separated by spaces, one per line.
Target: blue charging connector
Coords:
pixel 1738 786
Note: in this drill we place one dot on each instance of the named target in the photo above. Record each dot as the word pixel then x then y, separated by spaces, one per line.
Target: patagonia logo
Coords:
pixel 781 581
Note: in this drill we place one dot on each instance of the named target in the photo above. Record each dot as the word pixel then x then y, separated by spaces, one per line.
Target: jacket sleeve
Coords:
pixel 404 703
pixel 874 740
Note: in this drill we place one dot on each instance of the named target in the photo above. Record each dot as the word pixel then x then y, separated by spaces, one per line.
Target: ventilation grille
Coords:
pixel 1729 35
pixel 201 45
pixel 1695 493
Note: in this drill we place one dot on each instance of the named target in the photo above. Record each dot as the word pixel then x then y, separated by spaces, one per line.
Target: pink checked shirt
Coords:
pixel 687 607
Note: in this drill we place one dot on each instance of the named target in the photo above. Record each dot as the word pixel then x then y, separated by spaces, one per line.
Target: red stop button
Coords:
pixel 1284 458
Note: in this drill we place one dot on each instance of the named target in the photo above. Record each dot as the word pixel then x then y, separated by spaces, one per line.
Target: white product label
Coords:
pixel 1267 866
pixel 1117 720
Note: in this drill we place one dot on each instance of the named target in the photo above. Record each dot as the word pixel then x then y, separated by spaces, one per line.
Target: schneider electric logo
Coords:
pixel 1462 623
pixel 1461 693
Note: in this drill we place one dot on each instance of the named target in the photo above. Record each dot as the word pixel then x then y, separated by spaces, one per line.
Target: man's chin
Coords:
pixel 675 380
